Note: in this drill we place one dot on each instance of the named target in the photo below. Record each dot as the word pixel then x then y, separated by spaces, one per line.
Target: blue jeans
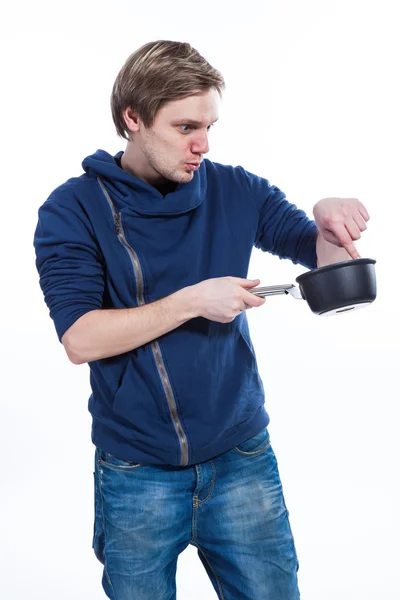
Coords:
pixel 230 507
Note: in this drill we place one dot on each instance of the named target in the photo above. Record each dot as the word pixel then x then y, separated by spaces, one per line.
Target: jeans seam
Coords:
pixel 212 484
pixel 104 529
pixel 291 532
pixel 194 522
pixel 222 597
pixel 120 467
pixel 255 453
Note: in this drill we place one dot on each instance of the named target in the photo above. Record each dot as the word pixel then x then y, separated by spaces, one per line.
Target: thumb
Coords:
pixel 249 283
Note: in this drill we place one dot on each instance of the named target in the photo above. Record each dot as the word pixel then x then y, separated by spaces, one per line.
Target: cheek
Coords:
pixel 177 147
pixel 171 147
pixel 170 143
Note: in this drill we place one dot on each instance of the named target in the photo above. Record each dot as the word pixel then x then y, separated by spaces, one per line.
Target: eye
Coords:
pixel 189 127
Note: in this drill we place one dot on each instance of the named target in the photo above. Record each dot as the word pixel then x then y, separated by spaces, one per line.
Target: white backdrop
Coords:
pixel 312 103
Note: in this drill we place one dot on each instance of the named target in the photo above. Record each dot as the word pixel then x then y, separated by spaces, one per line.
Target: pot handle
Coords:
pixel 275 290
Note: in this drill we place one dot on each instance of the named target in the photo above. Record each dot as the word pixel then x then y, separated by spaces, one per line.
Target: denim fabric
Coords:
pixel 231 508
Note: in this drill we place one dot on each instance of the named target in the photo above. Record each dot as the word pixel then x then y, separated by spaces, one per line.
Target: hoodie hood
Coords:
pixel 132 194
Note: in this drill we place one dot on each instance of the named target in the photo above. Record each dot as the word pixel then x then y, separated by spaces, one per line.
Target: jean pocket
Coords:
pixel 111 461
pixel 255 445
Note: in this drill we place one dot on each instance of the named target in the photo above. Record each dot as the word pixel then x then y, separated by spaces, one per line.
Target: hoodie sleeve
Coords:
pixel 283 229
pixel 69 263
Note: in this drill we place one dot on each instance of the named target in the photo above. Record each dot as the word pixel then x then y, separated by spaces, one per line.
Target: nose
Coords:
pixel 200 144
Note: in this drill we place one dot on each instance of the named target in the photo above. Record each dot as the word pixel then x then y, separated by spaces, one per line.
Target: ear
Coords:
pixel 131 119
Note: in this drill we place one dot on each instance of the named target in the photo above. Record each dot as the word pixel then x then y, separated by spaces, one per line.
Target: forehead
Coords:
pixel 202 107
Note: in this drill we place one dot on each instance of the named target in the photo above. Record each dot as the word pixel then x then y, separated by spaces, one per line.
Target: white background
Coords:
pixel 312 103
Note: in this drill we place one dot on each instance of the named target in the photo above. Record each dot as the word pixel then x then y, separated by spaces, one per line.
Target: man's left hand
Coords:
pixel 340 221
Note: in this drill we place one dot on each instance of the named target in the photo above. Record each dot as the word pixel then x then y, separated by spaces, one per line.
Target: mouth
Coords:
pixel 192 166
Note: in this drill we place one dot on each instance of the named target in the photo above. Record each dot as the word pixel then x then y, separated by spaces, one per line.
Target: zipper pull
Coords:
pixel 118 224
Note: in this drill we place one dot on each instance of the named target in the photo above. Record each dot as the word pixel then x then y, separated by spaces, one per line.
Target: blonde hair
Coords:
pixel 157 73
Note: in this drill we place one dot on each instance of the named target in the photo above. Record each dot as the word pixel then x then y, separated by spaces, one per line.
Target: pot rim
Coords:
pixel 334 266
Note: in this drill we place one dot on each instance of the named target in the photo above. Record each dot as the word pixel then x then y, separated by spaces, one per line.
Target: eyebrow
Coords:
pixel 190 122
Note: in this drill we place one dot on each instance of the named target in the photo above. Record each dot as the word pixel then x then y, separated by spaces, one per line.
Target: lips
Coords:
pixel 193 166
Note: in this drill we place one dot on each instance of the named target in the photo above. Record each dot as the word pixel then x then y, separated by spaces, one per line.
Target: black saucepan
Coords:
pixel 334 289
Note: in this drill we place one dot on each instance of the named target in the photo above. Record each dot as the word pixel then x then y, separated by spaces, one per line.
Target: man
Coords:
pixel 143 262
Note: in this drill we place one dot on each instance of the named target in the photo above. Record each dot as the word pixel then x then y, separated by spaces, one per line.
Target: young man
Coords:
pixel 143 262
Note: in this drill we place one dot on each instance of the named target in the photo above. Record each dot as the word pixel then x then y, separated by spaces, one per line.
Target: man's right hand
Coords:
pixel 103 333
pixel 223 298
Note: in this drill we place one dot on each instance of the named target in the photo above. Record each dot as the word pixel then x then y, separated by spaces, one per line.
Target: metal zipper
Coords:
pixel 155 346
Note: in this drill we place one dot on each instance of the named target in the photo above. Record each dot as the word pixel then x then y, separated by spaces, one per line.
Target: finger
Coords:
pixel 252 300
pixel 352 230
pixel 359 219
pixel 351 249
pixel 248 307
pixel 363 210
pixel 346 234
pixel 248 283
pixel 243 281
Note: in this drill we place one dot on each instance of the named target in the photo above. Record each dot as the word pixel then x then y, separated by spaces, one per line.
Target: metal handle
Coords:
pixel 276 290
pixel 272 290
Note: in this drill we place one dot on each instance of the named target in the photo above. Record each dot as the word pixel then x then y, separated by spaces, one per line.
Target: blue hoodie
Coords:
pixel 107 239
